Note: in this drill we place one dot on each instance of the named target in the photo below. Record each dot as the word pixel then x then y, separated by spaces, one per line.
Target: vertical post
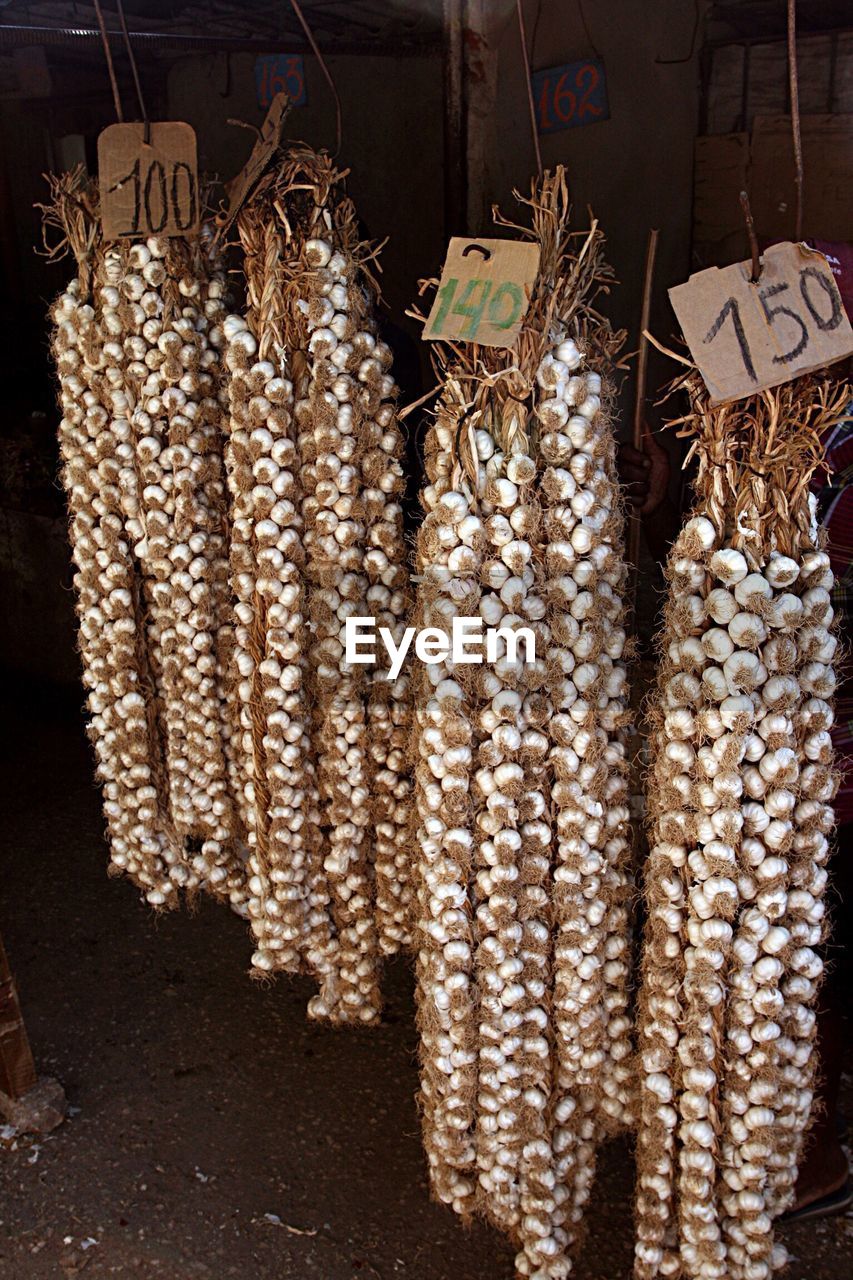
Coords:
pixel 17 1069
pixel 483 22
pixel 470 95
pixel 455 166
pixel 794 88
pixel 635 524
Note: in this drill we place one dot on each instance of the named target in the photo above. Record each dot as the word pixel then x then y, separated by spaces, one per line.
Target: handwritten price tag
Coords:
pixel 265 147
pixel 746 337
pixel 148 188
pixel 484 291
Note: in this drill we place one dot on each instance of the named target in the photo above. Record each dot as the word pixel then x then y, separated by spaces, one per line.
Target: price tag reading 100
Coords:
pixel 148 187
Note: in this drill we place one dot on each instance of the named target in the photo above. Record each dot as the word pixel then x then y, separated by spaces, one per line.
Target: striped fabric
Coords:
pixel 835 506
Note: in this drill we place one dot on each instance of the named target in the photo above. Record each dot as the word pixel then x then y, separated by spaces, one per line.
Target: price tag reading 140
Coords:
pixel 747 337
pixel 484 291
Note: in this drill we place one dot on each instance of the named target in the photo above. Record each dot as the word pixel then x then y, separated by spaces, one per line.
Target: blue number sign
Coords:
pixel 280 73
pixel 570 96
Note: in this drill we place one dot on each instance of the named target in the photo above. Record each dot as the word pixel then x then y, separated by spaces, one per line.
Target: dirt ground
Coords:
pixel 214 1131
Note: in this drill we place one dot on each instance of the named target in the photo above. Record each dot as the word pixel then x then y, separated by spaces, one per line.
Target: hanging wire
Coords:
pixel 794 82
pixel 531 103
pixel 587 30
pixel 109 57
pixel 318 55
pixel 675 62
pixel 129 46
pixel 535 31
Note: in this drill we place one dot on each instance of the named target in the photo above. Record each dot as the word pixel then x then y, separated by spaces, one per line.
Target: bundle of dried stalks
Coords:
pixel 739 811
pixel 314 470
pixel 522 844
pixel 135 341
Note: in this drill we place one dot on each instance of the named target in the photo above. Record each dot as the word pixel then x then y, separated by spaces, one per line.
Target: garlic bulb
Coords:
pixel 521 775
pixel 735 877
pixel 136 347
pixel 315 477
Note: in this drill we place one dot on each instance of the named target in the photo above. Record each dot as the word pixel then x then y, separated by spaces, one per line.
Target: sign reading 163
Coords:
pixel 280 73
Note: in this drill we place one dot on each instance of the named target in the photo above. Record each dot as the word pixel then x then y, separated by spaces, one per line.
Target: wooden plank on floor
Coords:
pixel 17 1069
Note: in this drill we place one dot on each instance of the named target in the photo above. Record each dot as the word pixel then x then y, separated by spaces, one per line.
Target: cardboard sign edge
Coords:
pixel 716 402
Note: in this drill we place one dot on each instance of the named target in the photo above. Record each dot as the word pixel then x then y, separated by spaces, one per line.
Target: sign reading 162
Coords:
pixel 571 96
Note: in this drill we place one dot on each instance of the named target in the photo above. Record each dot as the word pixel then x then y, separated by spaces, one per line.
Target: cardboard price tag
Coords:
pixel 148 188
pixel 484 291
pixel 746 337
pixel 265 147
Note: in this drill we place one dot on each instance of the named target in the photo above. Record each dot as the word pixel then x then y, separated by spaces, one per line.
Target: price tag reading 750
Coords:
pixel 484 291
pixel 746 336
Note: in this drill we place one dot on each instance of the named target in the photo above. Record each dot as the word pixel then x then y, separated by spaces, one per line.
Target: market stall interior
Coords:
pixel 409 966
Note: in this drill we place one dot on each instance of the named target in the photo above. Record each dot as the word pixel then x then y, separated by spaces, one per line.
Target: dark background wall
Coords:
pixel 634 171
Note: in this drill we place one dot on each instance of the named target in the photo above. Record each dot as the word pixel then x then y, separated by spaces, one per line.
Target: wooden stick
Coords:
pixel 105 41
pixel 455 140
pixel 530 102
pixel 794 83
pixel 753 239
pixel 635 526
pixel 135 72
pixel 17 1069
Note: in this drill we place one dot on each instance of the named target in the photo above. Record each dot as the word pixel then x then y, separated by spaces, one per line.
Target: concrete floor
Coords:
pixel 215 1131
